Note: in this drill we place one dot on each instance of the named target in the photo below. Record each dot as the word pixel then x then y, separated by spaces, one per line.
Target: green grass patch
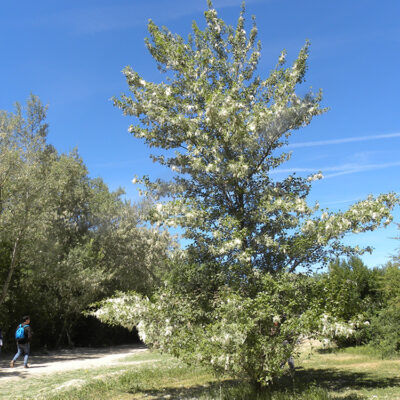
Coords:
pixel 350 374
pixel 145 356
pixel 353 373
pixel 173 380
pixel 168 377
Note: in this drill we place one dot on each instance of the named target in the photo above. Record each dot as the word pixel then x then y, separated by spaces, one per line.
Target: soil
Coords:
pixel 66 360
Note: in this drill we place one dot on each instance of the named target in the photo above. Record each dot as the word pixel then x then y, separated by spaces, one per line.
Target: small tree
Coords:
pixel 224 130
pixel 22 145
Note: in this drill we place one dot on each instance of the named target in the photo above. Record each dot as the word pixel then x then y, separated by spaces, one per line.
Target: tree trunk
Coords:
pixel 258 387
pixel 10 271
pixel 70 342
pixel 60 336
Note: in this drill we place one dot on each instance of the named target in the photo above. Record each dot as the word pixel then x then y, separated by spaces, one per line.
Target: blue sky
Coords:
pixel 71 53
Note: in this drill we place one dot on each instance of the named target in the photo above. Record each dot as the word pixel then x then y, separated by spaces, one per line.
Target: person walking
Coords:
pixel 23 337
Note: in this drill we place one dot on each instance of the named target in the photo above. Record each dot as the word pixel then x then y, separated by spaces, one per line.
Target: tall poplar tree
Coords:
pixel 223 129
pixel 228 128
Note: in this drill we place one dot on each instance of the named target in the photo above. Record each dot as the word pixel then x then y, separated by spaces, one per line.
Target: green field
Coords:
pixel 352 374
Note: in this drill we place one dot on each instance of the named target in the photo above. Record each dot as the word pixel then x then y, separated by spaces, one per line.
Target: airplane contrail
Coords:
pixel 339 169
pixel 344 140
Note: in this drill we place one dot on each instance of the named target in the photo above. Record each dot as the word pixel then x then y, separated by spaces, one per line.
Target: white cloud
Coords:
pixel 362 168
pixel 339 170
pixel 344 140
pixel 343 201
pixel 117 16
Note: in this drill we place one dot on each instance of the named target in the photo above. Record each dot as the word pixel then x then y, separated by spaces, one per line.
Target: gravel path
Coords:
pixel 67 360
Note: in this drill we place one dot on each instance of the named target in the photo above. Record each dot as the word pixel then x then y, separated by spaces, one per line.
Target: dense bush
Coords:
pixel 385 331
pixel 351 297
pixel 385 325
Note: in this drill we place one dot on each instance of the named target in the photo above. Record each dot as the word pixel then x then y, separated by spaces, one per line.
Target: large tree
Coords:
pixel 228 128
pixel 223 129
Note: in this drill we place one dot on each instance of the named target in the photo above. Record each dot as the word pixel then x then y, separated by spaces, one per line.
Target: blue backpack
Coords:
pixel 20 332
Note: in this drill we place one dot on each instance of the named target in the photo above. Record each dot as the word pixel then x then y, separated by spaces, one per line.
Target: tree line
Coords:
pixel 66 240
pixel 360 305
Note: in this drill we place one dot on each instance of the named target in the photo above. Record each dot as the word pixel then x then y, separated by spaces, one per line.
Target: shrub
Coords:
pixel 234 334
pixel 385 329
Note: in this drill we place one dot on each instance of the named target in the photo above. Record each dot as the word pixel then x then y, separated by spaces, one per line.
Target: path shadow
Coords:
pixel 7 372
pixel 339 381
pixel 335 381
pixel 213 390
pixel 327 350
pixel 192 392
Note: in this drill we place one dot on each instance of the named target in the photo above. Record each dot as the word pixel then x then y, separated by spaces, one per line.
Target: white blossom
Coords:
pixel 315 177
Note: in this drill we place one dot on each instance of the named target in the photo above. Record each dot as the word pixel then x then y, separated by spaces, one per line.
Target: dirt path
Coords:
pixel 67 360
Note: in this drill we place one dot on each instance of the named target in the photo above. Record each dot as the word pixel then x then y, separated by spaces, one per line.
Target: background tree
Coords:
pixel 22 146
pixel 385 325
pixel 228 128
pixel 65 239
pixel 351 298
pixel 351 288
pixel 361 305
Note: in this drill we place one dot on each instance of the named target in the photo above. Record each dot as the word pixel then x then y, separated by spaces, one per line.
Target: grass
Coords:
pixel 350 374
pixel 173 380
pixel 353 373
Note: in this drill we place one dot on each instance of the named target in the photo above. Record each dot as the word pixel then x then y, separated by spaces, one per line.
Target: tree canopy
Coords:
pixel 224 129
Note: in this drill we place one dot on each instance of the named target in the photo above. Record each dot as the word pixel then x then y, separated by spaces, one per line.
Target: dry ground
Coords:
pixel 66 360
